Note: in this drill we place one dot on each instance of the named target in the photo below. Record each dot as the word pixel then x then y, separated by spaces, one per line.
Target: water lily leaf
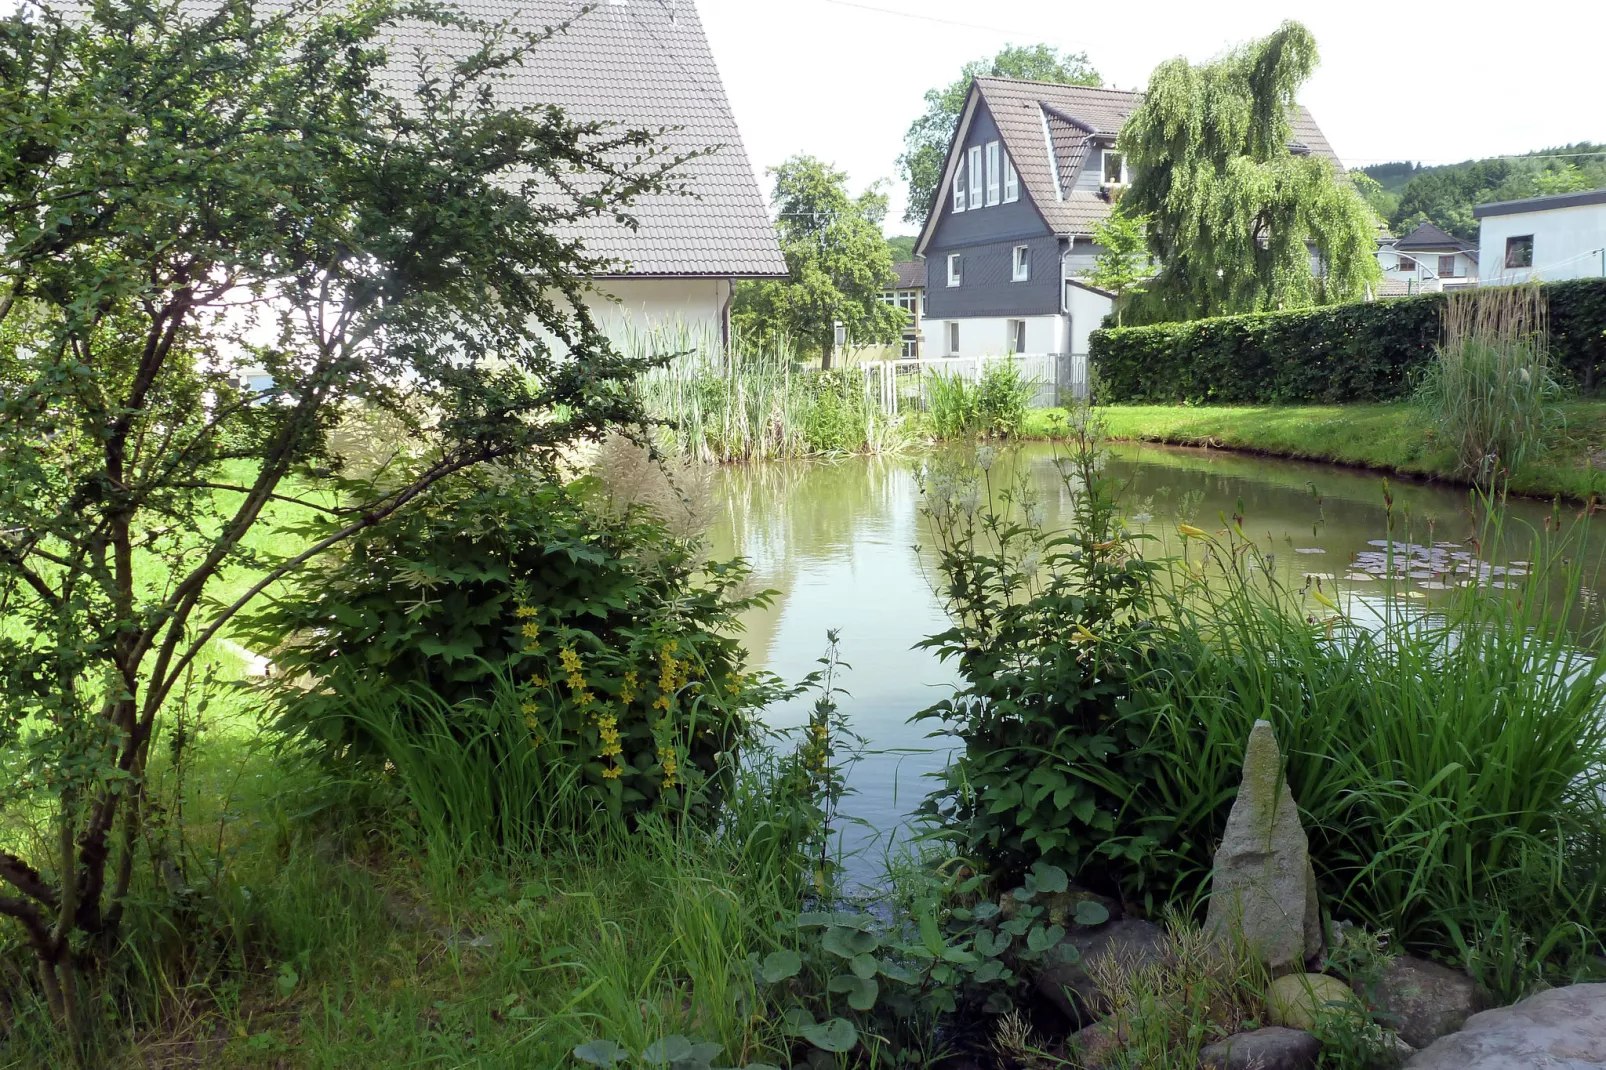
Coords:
pixel 836 1036
pixel 666 1050
pixel 861 992
pixel 1092 912
pixel 601 1053
pixel 1040 939
pixel 780 965
pixel 847 943
pixel 864 966
pixel 816 919
pixel 1050 878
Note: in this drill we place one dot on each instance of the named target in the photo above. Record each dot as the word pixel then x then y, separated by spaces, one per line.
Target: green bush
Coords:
pixel 994 406
pixel 594 643
pixel 1373 351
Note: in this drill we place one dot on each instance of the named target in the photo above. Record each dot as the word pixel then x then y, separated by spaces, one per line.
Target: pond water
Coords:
pixel 846 547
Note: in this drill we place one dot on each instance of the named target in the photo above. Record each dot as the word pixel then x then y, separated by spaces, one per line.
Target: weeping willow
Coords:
pixel 1237 211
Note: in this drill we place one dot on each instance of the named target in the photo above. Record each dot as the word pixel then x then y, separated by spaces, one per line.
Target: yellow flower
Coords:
pixel 1083 636
pixel 536 681
pixel 611 773
pixel 527 611
pixel 1324 600
pixel 571 660
pixel 532 631
pixel 1190 532
pixel 662 703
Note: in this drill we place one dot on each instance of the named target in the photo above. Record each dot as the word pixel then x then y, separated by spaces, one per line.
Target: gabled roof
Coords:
pixel 1048 130
pixel 640 63
pixel 908 275
pixel 1429 238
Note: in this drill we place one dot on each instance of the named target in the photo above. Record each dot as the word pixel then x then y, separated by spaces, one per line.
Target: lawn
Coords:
pixel 1396 437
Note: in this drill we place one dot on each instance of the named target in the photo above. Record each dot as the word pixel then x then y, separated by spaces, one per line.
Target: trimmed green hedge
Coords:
pixel 1340 353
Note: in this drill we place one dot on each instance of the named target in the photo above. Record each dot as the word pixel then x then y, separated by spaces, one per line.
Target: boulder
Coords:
pixel 1561 1029
pixel 1096 1046
pixel 1263 888
pixel 1299 1000
pixel 1423 1001
pixel 1069 988
pixel 1272 1048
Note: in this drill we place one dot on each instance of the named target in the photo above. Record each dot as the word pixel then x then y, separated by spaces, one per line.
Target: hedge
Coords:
pixel 1335 354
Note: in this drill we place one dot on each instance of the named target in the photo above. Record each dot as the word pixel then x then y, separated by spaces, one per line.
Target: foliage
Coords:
pixel 995 406
pixel 1447 195
pixel 1044 631
pixel 273 204
pixel 1124 264
pixel 902 246
pixel 925 145
pixel 506 624
pixel 1232 211
pixel 836 257
pixel 1367 351
pixel 1491 388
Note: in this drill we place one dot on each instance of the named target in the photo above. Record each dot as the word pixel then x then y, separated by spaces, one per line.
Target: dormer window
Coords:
pixel 1011 182
pixel 975 176
pixel 1114 168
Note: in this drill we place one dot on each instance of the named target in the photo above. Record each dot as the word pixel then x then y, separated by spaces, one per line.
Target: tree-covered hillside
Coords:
pixel 1446 195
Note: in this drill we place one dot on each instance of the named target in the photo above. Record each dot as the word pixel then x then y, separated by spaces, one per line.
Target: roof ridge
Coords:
pixel 1058 85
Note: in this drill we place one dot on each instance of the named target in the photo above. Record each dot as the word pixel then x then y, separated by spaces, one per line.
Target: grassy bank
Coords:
pixel 1398 438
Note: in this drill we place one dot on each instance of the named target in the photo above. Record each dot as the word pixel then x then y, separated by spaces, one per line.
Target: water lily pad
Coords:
pixel 836 1036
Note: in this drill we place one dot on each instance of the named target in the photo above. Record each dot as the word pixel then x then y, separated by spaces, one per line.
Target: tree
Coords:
pixel 925 145
pixel 837 260
pixel 180 196
pixel 1446 195
pixel 1233 212
pixel 1124 263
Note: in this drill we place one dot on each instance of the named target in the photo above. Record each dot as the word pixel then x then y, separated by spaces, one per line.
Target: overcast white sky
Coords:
pixel 1432 80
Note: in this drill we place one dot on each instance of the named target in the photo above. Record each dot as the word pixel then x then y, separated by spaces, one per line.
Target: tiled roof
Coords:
pixel 1075 118
pixel 640 63
pixel 909 275
pixel 1426 236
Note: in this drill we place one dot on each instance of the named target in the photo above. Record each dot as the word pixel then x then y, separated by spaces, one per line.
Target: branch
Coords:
pixel 32 920
pixel 206 485
pixel 34 580
pixel 27 879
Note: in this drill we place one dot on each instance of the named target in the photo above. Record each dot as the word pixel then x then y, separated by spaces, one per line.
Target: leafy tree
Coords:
pixel 925 145
pixel 1124 263
pixel 902 246
pixel 1233 211
pixel 1447 195
pixel 837 259
pixel 181 196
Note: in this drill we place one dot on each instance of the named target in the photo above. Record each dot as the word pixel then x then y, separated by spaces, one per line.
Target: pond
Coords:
pixel 846 547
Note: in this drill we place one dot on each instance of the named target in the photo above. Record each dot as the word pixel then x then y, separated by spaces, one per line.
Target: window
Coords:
pixel 1017 336
pixel 959 186
pixel 953 269
pixel 906 300
pixel 975 176
pixel 1520 251
pixel 953 338
pixel 993 177
pixel 922 304
pixel 1022 263
pixel 1114 168
pixel 1405 263
pixel 888 297
pixel 910 348
pixel 1011 182
pixel 1447 267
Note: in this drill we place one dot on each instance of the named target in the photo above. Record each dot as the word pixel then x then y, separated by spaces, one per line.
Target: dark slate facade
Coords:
pixel 986 238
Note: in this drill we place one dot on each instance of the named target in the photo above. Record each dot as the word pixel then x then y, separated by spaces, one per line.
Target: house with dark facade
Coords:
pixel 1032 169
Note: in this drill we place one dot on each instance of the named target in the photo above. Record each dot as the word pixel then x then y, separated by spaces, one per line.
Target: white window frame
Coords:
pixel 975 177
pixel 953 338
pixel 959 186
pixel 1020 264
pixel 956 269
pixel 994 175
pixel 1011 181
pixel 1015 336
pixel 1104 168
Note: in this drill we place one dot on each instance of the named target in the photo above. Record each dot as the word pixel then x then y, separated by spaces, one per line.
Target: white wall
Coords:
pixel 1426 273
pixel 1567 244
pixel 1088 310
pixel 988 336
pixel 628 310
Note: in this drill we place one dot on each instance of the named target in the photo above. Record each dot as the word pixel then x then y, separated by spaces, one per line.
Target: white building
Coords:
pixel 1562 236
pixel 1427 260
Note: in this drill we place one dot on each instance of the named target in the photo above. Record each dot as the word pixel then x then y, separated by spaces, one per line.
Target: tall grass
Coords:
pixel 995 405
pixel 1493 383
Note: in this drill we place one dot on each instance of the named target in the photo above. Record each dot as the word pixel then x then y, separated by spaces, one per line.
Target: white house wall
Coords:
pixel 1426 274
pixel 678 313
pixel 1087 310
pixel 1567 244
pixel 989 336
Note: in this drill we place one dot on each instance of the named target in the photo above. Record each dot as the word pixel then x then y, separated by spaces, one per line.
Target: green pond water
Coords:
pixel 844 544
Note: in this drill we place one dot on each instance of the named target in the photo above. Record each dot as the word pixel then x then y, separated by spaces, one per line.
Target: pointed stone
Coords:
pixel 1263 889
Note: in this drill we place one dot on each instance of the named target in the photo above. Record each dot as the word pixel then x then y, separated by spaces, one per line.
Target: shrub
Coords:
pixel 593 642
pixel 1373 351
pixel 994 406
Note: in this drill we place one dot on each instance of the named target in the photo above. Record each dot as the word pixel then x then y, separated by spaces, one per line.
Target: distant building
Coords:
pixel 907 290
pixel 1427 260
pixel 1562 236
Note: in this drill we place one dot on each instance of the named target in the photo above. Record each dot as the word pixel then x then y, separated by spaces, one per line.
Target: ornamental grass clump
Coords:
pixel 1492 385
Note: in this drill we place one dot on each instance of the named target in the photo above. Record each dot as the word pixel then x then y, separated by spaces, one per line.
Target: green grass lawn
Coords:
pixel 1396 437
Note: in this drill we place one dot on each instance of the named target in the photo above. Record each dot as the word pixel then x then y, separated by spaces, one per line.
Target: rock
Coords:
pixel 1059 908
pixel 1562 1029
pixel 1070 988
pixel 1423 1001
pixel 1298 1000
pixel 1263 886
pixel 1272 1048
pixel 1095 1046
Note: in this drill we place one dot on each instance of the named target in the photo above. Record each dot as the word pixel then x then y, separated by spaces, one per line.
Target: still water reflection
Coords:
pixel 845 545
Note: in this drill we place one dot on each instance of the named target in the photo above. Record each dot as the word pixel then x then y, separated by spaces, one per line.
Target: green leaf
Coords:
pixel 1040 939
pixel 989 971
pixel 986 911
pixel 836 1036
pixel 846 943
pixel 1091 912
pixel 861 991
pixel 780 965
pixel 666 1050
pixel 991 945
pixel 796 1019
pixel 864 966
pixel 1050 878
pixel 601 1053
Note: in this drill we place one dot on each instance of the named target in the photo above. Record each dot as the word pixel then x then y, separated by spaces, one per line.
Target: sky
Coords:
pixel 1435 82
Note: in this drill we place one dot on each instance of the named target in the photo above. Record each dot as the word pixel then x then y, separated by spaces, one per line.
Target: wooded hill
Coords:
pixel 1447 194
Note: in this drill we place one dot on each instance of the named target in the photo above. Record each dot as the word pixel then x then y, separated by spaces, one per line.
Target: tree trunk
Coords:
pixel 825 355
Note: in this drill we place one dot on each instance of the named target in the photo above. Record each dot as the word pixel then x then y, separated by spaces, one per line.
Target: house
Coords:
pixel 1562 236
pixel 907 290
pixel 1031 170
pixel 1427 259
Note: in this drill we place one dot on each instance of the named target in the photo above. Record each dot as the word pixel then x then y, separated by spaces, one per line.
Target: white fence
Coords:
pixel 1058 378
